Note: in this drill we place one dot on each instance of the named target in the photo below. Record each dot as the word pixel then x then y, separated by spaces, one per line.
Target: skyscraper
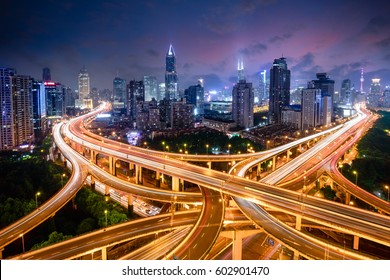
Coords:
pixel 171 89
pixel 326 86
pixel 243 102
pixel 55 93
pixel 195 95
pixel 345 92
pixel 84 86
pixel 135 96
pixel 279 91
pixel 151 88
pixel 16 118
pixel 119 93
pixel 375 87
pixel 39 109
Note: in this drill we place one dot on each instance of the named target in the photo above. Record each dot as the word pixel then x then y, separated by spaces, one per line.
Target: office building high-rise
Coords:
pixel 345 92
pixel 119 93
pixel 311 107
pixel 279 90
pixel 16 119
pixel 39 109
pixel 375 87
pixel 55 96
pixel 171 87
pixel 151 88
pixel 135 95
pixel 195 95
pixel 327 90
pixel 84 84
pixel 243 103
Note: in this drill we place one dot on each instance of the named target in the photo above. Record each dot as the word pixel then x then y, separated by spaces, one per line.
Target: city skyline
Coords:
pixel 130 40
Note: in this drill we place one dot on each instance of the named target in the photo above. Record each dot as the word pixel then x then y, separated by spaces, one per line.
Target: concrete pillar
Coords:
pixel 130 206
pixel 181 185
pixel 259 169
pixel 356 242
pixel 237 246
pixel 1 253
pixel 347 198
pixel 209 164
pixel 175 184
pixel 296 255
pixel 111 165
pixel 138 174
pixel 288 155
pixel 93 156
pixel 298 222
pixel 104 253
pixel 273 163
pixel 107 190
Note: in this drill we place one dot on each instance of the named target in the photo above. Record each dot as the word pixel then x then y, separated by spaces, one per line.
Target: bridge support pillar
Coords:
pixel 296 255
pixel 138 174
pixel 130 206
pixel 298 222
pixel 104 253
pixel 288 155
pixel 237 246
pixel 347 198
pixel 111 165
pixel 356 242
pixel 93 156
pixel 1 253
pixel 258 170
pixel 273 163
pixel 209 164
pixel 107 190
pixel 175 184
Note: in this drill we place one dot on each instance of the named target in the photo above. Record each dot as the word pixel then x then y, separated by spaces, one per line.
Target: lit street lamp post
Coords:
pixel 62 179
pixel 207 148
pixel 356 177
pixel 36 199
pixel 105 213
pixel 388 190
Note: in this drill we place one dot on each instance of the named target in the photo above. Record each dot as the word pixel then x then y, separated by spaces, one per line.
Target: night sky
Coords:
pixel 131 38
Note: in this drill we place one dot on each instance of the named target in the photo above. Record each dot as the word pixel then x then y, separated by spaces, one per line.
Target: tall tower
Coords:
pixel 279 91
pixel 170 75
pixel 242 104
pixel 83 84
pixel 240 70
pixel 16 119
pixel 361 80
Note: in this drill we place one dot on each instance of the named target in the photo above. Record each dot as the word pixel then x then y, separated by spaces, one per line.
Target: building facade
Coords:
pixel 279 90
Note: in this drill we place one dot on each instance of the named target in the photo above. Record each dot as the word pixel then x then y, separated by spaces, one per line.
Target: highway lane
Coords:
pixel 156 249
pixel 94 241
pixel 47 209
pixel 202 237
pixel 236 187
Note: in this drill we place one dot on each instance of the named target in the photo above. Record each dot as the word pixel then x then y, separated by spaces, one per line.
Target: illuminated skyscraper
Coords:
pixel 171 89
pixel 279 91
pixel 151 88
pixel 119 93
pixel 375 87
pixel 16 118
pixel 195 95
pixel 243 102
pixel 84 86
pixel 39 109
pixel 361 80
pixel 345 92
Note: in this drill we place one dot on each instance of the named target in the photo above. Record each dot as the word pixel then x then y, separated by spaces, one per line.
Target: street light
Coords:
pixel 229 146
pixel 387 188
pixel 36 199
pixel 62 180
pixel 105 213
pixel 207 148
pixel 356 176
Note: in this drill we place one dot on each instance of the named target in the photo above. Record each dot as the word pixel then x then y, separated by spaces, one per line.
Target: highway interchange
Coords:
pixel 252 197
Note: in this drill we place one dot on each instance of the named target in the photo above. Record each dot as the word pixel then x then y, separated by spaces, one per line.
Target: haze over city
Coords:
pixel 131 38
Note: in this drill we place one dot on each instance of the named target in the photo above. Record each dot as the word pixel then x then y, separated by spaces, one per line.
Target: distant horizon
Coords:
pixel 130 40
